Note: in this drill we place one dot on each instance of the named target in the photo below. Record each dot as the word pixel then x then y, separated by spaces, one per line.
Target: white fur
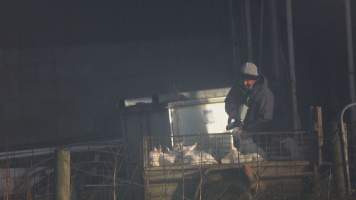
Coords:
pixel 179 147
pixel 201 158
pixel 231 157
pixel 154 157
pixel 180 153
pixel 190 155
pixel 234 156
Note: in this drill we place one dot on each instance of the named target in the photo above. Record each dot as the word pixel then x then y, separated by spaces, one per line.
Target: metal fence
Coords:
pixel 193 166
pixel 98 171
pixel 27 174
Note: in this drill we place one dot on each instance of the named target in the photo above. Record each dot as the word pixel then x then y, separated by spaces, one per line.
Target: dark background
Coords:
pixel 65 66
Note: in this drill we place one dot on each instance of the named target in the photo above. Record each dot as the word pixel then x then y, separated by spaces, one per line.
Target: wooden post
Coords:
pixel 318 128
pixel 62 173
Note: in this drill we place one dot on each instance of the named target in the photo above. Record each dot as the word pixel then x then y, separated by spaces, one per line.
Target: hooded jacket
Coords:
pixel 260 101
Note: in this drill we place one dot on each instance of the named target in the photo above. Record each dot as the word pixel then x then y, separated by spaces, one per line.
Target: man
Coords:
pixel 249 103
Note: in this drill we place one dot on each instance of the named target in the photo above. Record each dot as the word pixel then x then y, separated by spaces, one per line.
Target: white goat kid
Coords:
pixel 234 156
pixel 154 157
pixel 190 155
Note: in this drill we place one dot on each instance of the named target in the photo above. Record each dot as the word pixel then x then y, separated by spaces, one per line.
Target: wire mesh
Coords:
pixel 211 149
pixel 185 167
pixel 26 175
pixel 97 172
pixel 94 173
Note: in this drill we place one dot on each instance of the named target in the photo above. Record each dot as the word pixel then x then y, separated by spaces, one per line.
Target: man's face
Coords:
pixel 249 84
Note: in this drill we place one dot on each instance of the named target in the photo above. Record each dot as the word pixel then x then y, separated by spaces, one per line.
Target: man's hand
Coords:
pixel 233 124
pixel 236 133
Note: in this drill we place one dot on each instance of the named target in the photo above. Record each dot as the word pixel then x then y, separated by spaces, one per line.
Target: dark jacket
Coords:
pixel 260 101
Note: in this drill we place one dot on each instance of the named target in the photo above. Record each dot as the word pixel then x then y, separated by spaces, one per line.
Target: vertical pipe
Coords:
pixel 233 39
pixel 274 39
pixel 62 174
pixel 248 30
pixel 260 46
pixel 345 147
pixel 350 56
pixel 351 73
pixel 296 123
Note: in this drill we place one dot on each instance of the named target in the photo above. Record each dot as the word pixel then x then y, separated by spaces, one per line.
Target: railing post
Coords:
pixel 344 140
pixel 340 183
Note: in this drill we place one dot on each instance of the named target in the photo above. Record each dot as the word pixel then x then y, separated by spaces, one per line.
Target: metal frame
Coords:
pixel 162 180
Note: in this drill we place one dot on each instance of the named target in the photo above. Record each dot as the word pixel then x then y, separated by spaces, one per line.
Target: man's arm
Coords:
pixel 233 101
pixel 230 103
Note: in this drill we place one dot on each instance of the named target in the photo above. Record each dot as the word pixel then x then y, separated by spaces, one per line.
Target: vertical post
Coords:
pixel 62 172
pixel 248 30
pixel 318 128
pixel 233 39
pixel 274 39
pixel 351 73
pixel 296 123
pixel 261 30
pixel 316 188
pixel 345 146
pixel 350 57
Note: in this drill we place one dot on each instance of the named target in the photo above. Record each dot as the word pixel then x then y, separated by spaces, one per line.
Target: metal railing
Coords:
pixel 98 171
pixel 213 148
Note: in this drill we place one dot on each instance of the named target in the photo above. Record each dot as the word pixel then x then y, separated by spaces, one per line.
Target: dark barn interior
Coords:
pixel 88 90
